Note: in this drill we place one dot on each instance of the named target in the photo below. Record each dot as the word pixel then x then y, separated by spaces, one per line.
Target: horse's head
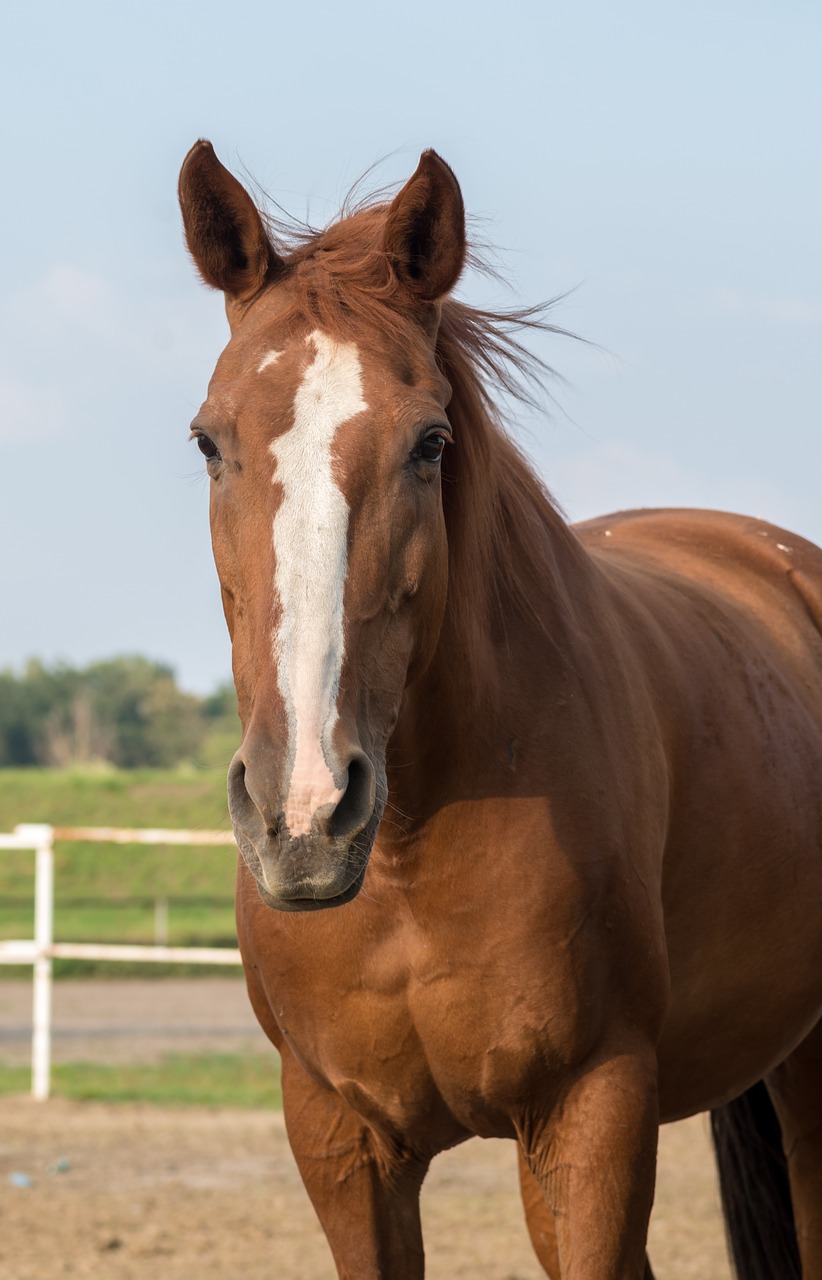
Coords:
pixel 322 432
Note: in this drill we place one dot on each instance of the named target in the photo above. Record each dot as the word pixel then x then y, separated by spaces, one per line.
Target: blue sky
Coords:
pixel 661 161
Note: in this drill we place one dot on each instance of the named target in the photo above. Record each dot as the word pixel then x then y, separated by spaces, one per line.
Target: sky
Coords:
pixel 657 163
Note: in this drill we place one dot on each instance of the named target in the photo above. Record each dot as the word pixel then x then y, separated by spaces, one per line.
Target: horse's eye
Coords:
pixel 429 448
pixel 208 448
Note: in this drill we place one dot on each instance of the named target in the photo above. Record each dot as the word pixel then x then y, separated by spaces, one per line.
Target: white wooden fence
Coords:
pixel 40 950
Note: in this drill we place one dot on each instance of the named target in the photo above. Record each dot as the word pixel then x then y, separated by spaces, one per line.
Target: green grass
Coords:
pixel 101 797
pixel 219 1079
pixel 107 893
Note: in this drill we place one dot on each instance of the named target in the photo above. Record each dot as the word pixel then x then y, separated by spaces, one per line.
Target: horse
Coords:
pixel 529 816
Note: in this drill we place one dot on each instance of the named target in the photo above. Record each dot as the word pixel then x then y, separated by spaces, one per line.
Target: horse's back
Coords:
pixel 740 556
pixel 724 612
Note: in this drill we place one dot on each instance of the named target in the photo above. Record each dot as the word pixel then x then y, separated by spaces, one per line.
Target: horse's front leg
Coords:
pixel 595 1157
pixel 365 1190
pixel 542 1227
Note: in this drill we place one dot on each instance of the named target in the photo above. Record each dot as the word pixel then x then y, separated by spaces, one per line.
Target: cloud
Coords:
pixel 48 332
pixel 619 476
pixel 77 294
pixel 75 344
pixel 783 309
pixel 30 413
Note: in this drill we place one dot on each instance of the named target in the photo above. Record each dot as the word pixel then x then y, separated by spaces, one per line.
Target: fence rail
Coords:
pixel 41 950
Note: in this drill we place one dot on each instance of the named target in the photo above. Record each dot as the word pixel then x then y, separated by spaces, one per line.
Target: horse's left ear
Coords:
pixel 425 230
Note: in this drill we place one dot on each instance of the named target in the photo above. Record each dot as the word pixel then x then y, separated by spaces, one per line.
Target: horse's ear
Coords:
pixel 425 230
pixel 224 231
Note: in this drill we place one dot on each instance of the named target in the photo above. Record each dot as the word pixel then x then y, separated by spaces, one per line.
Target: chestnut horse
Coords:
pixel 562 787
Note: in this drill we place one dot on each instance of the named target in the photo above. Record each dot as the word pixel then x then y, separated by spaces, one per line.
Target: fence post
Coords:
pixel 42 837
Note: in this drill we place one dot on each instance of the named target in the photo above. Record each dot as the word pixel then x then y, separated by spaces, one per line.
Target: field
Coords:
pixel 184 797
pixel 119 893
pixel 173 1041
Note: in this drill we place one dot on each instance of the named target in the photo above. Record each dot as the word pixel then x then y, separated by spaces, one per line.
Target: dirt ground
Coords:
pixel 132 1192
pixel 132 1021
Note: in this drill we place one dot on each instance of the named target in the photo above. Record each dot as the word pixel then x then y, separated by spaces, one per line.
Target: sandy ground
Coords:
pixel 133 1021
pixel 132 1192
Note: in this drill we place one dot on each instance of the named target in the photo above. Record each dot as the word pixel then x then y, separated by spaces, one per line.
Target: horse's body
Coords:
pixel 562 786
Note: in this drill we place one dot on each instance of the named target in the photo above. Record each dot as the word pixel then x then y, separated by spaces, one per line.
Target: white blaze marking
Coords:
pixel 311 555
pixel 271 358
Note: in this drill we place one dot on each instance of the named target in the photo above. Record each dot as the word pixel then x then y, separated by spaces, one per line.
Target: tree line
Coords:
pixel 126 711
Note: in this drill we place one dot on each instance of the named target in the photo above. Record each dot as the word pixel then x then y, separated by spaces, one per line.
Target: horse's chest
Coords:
pixel 420 1046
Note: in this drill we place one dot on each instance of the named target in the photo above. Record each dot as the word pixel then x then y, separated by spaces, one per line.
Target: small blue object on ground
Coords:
pixel 21 1180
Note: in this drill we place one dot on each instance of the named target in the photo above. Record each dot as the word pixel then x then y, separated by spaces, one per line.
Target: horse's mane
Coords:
pixel 504 529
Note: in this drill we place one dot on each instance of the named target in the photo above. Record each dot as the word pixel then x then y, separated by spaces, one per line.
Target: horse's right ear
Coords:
pixel 224 231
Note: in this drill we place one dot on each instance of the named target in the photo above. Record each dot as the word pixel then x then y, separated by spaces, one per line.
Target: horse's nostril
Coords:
pixel 236 781
pixel 249 801
pixel 357 804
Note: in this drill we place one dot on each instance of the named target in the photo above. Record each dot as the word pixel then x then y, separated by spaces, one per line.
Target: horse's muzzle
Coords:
pixel 321 868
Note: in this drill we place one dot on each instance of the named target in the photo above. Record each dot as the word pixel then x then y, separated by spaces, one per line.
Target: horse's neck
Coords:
pixel 456 736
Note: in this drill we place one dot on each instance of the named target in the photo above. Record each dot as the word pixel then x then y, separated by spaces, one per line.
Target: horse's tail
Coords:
pixel 753 1180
